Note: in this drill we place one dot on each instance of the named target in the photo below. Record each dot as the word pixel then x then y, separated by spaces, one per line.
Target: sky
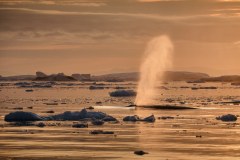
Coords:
pixel 108 36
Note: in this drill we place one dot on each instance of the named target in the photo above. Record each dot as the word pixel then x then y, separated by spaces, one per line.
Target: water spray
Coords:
pixel 156 60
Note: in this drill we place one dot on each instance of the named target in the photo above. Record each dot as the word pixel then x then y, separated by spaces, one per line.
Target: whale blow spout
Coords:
pixel 156 60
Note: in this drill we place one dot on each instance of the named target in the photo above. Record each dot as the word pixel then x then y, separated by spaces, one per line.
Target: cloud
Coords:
pixel 227 9
pixel 228 0
pixel 52 2
pixel 53 40
pixel 159 0
pixel 91 27
pixel 106 31
pixel 40 47
pixel 237 43
pixel 133 15
pixel 57 34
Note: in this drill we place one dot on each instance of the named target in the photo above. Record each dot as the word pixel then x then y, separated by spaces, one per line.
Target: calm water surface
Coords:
pixel 192 134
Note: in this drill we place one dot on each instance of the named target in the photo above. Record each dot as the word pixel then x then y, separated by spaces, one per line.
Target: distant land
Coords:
pixel 53 77
pixel 231 78
pixel 17 78
pixel 192 77
pixel 168 76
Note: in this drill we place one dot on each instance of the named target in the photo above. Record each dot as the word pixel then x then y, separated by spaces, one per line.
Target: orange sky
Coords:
pixel 105 36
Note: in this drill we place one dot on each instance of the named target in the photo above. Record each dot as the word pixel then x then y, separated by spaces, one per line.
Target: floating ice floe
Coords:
pixel 149 119
pixel 131 118
pixel 109 119
pixel 20 116
pixel 136 118
pixel 34 84
pixel 115 107
pixel 122 93
pixel 140 152
pixel 95 87
pixel 80 125
pixel 83 114
pixel 101 132
pixel 227 117
pixel 97 122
